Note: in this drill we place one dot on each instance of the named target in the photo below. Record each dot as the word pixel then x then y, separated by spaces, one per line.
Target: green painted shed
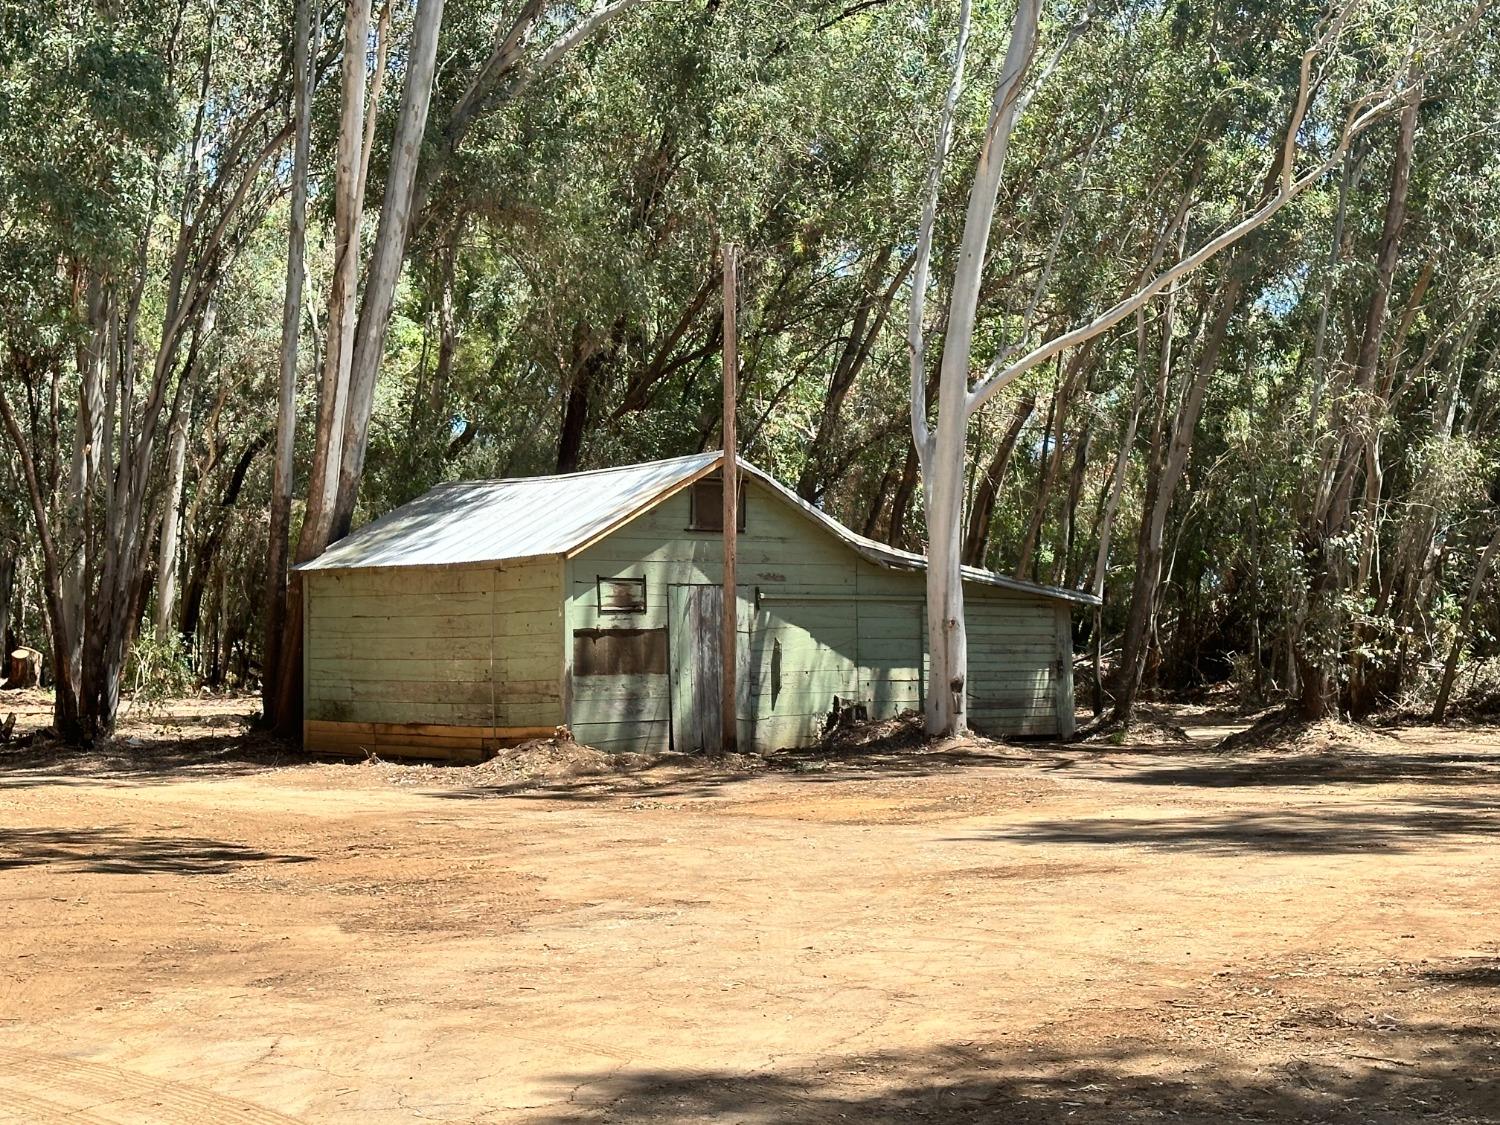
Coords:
pixel 487 612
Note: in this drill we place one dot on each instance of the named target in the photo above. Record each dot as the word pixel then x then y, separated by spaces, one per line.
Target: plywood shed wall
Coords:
pixel 816 621
pixel 433 661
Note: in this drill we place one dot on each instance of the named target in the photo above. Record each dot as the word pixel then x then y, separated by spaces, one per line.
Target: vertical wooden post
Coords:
pixel 729 471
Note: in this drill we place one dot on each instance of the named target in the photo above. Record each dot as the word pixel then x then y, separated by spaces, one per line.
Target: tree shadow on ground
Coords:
pixel 1154 766
pixel 1433 1073
pixel 1430 768
pixel 1476 973
pixel 138 761
pixel 111 851
pixel 1390 826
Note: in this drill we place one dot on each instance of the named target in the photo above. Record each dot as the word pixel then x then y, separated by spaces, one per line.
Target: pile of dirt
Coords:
pixel 1144 731
pixel 905 731
pixel 881 744
pixel 558 758
pixel 1284 732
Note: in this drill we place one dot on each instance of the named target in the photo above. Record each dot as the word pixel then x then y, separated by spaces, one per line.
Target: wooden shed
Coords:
pixel 487 612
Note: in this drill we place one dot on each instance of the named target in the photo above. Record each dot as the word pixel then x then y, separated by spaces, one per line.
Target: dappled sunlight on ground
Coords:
pixel 205 927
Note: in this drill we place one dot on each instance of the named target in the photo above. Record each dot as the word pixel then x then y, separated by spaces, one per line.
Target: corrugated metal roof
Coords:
pixel 526 517
pixel 477 521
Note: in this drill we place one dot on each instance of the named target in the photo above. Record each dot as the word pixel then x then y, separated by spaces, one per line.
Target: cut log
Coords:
pixel 23 668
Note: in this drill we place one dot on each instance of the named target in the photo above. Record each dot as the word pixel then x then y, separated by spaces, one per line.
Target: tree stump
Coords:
pixel 23 668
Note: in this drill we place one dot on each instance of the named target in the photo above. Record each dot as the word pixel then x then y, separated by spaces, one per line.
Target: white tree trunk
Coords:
pixel 386 259
pixel 338 352
pixel 171 526
pixel 941 452
pixel 943 449
pixel 304 50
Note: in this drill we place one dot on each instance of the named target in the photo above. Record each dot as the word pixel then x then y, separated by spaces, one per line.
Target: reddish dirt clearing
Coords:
pixel 1009 934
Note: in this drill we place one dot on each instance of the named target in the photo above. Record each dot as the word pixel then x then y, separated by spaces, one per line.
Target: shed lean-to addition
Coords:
pixel 488 612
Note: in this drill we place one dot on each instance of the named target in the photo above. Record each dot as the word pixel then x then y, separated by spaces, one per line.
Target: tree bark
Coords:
pixel 208 547
pixel 1333 506
pixel 901 500
pixel 1466 618
pixel 1161 492
pixel 941 451
pixel 870 316
pixel 1062 403
pixel 304 51
pixel 7 594
pixel 1062 567
pixel 987 492
pixel 171 527
pixel 338 350
pixel 386 259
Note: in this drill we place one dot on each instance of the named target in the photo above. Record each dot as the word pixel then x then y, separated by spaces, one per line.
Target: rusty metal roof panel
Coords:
pixel 479 521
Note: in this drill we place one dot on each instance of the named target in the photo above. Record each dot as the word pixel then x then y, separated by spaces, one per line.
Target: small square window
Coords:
pixel 622 595
pixel 706 507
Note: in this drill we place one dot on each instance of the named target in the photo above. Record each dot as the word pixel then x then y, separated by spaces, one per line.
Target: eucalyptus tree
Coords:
pixel 1343 105
pixel 125 212
pixel 522 44
pixel 588 297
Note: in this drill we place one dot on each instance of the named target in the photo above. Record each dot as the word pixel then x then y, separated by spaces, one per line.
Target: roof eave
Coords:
pixel 893 558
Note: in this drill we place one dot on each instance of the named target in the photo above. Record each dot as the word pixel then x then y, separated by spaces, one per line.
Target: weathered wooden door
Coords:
pixel 696 617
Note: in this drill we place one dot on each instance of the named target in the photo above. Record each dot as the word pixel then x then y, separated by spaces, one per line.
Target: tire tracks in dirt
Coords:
pixel 41 1089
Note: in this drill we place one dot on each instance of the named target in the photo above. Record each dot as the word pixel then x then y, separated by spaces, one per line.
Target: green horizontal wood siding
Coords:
pixel 462 646
pixel 860 633
pixel 492 645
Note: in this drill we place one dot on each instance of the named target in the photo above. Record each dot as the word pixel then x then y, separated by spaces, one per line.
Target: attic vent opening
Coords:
pixel 706 505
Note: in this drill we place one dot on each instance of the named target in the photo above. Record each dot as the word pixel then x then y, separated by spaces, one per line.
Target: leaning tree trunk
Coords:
pixel 304 50
pixel 208 548
pixel 1450 666
pixel 1161 493
pixel 1332 513
pixel 171 524
pixel 1115 489
pixel 987 491
pixel 1062 404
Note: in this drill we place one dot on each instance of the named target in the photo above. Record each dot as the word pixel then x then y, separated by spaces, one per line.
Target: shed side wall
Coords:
pixel 1014 665
pixel 472 647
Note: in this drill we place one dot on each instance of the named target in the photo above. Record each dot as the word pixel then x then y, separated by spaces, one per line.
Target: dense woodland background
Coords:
pixel 1285 473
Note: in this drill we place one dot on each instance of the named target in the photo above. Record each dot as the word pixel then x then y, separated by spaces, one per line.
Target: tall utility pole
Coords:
pixel 730 472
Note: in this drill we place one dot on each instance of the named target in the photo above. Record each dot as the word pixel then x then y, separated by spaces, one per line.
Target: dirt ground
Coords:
pixel 196 930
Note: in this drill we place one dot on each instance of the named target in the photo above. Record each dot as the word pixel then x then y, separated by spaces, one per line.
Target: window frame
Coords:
pixel 606 610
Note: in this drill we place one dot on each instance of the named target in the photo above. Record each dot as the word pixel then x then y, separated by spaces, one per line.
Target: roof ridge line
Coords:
pixel 577 472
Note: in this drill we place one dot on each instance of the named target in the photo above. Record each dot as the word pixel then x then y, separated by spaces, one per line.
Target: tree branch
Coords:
pixel 923 262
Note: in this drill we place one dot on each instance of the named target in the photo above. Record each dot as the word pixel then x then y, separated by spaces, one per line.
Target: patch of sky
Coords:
pixel 1281 297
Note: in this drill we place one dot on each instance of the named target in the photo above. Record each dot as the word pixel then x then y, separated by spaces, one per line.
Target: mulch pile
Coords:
pixel 874 736
pixel 1284 732
pixel 1145 730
